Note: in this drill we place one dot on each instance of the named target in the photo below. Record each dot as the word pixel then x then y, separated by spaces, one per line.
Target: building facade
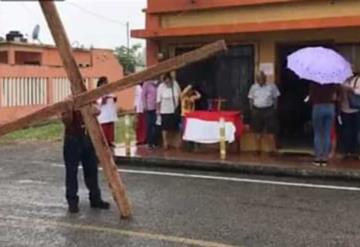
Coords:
pixel 260 35
pixel 32 76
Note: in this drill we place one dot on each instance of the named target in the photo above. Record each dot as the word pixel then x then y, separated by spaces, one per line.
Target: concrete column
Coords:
pixel 267 59
pixel 152 51
pixel 152 46
pixel 11 56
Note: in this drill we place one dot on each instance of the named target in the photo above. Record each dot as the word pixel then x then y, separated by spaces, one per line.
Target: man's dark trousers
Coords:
pixel 78 148
pixel 151 125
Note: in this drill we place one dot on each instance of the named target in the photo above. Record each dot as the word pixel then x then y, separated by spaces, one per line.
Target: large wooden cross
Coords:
pixel 81 99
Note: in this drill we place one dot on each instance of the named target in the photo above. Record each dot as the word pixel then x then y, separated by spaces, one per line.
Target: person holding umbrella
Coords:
pixel 327 70
pixel 323 99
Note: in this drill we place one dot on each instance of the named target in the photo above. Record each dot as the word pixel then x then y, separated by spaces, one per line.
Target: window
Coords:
pixel 350 52
pixel 4 57
pixel 27 58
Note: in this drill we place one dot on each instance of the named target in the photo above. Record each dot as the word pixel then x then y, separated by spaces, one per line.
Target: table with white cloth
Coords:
pixel 204 126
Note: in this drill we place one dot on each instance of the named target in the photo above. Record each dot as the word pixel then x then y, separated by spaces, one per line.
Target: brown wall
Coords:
pixel 166 6
pixel 266 43
pixel 262 13
pixel 246 21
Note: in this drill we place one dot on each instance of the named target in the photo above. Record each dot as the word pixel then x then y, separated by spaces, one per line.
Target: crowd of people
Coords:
pixel 164 105
pixel 333 118
pixel 161 107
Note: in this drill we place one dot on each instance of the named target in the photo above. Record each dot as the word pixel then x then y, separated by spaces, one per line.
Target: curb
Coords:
pixel 243 168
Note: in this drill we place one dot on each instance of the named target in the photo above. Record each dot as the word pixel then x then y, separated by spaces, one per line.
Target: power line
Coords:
pixel 96 14
pixel 30 12
pixel 126 25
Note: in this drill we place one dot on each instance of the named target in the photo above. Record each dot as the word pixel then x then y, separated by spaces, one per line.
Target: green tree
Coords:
pixel 129 58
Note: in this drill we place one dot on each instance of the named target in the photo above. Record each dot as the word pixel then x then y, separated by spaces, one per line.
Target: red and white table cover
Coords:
pixel 204 126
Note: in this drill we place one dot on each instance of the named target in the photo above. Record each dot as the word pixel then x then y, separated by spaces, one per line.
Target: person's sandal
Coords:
pixel 324 163
pixel 316 163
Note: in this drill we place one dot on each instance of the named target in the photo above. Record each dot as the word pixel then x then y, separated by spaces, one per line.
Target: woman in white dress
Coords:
pixel 168 95
pixel 108 113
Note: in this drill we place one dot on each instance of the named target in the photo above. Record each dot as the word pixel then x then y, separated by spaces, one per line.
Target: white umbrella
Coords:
pixel 319 64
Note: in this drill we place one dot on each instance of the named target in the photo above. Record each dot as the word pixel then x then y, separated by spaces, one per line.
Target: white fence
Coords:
pixel 30 91
pixel 61 88
pixel 23 91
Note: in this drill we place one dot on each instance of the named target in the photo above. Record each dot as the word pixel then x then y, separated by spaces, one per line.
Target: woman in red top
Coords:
pixel 108 113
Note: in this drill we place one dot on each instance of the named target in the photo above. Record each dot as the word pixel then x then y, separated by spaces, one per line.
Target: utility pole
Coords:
pixel 128 40
pixel 128 35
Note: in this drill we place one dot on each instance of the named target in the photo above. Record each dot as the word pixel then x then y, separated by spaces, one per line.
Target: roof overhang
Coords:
pixel 254 27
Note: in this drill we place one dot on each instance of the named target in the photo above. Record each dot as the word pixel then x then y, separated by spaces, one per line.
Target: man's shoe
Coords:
pixel 346 157
pixel 73 208
pixel 100 204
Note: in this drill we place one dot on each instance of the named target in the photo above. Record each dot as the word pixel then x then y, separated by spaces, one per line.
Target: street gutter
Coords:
pixel 241 168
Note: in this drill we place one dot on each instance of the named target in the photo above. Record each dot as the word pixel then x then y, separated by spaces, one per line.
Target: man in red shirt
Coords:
pixel 78 148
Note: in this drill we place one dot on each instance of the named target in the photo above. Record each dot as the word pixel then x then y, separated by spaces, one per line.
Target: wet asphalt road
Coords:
pixel 168 210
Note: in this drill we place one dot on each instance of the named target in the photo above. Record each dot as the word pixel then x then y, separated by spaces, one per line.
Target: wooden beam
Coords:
pixel 129 81
pixel 41 114
pixel 77 86
pixel 152 72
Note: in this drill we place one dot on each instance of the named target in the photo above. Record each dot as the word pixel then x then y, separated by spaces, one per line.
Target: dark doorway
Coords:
pixel 294 114
pixel 228 75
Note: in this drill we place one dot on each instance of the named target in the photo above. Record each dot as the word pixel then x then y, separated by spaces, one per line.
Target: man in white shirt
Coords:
pixel 263 102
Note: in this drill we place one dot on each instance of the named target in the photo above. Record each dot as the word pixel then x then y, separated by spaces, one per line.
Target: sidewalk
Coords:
pixel 208 159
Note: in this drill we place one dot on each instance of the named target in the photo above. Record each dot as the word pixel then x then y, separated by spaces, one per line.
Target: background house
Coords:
pixel 32 76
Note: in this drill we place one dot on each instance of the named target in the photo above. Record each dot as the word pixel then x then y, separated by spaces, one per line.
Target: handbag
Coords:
pixel 177 113
pixel 354 99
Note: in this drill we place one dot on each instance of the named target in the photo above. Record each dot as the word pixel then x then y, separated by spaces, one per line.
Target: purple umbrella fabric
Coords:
pixel 319 64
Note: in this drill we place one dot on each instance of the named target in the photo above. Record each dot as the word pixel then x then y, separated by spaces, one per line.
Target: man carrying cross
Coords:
pixel 78 148
pixel 82 99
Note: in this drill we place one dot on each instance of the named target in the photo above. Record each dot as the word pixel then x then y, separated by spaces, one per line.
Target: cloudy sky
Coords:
pixel 101 23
